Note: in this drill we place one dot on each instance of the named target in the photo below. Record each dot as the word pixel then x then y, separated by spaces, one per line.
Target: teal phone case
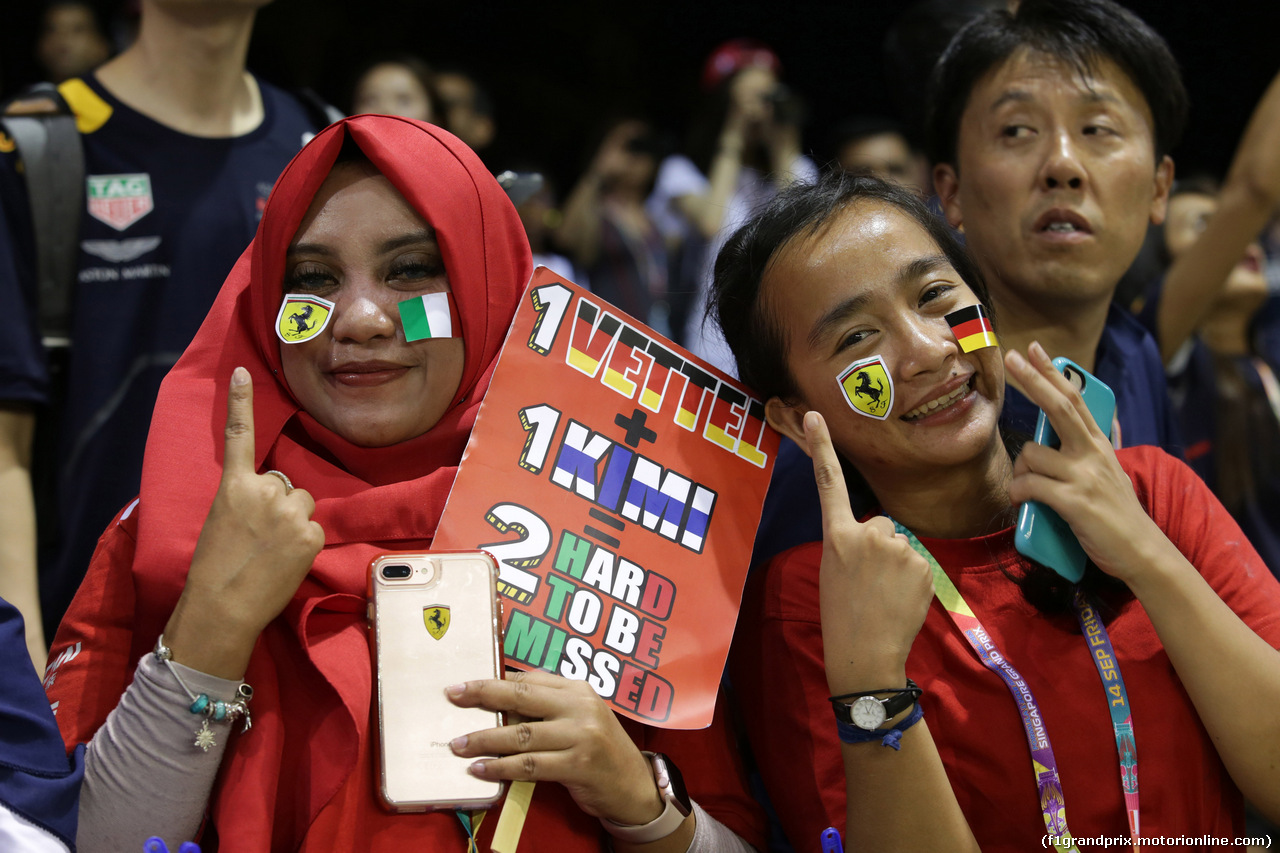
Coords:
pixel 1041 533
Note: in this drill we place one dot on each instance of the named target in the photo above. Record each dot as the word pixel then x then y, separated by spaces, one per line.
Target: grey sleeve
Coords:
pixel 712 836
pixel 144 775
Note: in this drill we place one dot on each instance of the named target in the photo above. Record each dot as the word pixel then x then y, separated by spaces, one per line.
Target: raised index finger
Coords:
pixel 832 492
pixel 239 432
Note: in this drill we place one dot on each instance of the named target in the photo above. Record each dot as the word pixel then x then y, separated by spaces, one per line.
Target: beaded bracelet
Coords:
pixel 212 709
pixel 891 737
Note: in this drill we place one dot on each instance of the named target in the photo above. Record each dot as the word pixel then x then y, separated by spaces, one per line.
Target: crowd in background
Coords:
pixel 642 217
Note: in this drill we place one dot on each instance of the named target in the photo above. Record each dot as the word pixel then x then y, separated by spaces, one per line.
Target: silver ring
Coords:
pixel 288 485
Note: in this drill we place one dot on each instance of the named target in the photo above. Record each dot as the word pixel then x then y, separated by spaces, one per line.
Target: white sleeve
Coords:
pixel 144 775
pixel 677 177
pixel 712 836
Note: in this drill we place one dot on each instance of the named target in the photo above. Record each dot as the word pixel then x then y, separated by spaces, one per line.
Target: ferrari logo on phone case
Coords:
pixel 436 618
pixel 868 387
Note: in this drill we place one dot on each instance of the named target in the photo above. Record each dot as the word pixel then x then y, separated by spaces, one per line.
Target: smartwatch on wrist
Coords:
pixel 867 711
pixel 677 805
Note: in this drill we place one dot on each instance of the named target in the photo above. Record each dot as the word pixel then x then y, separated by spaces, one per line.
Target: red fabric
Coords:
pixel 1183 787
pixel 304 768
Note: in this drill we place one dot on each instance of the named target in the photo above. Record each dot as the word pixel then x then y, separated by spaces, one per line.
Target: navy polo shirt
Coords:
pixel 165 217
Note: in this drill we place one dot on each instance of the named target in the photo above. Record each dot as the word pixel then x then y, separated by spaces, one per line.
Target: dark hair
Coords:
pixel 1081 33
pixel 759 346
pixel 802 210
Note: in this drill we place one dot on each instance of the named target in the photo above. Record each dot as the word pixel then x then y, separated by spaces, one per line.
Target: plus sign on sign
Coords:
pixel 618 481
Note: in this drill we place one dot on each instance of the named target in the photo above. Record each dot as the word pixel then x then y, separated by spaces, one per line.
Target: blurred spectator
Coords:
pixel 607 231
pixel 744 146
pixel 398 85
pixel 180 149
pixel 468 109
pixel 1204 315
pixel 39 781
pixel 534 195
pixel 1224 390
pixel 880 146
pixel 72 40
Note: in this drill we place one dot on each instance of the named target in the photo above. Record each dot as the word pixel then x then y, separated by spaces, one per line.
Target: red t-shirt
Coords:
pixel 780 679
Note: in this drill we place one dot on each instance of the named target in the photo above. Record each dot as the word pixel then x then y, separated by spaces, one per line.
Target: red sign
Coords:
pixel 618 480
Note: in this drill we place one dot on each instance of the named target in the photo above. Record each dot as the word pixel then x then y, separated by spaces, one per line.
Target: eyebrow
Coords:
pixel 413 238
pixel 837 314
pixel 1018 96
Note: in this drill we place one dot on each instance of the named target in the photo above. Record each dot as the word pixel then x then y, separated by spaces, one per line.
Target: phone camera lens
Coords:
pixel 397 572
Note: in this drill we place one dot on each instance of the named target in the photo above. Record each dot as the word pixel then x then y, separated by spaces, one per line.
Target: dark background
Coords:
pixel 556 70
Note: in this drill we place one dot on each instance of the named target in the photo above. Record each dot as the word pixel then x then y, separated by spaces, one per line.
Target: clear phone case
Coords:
pixel 436 621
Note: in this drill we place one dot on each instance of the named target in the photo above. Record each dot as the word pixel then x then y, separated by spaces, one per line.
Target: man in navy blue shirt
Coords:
pixel 181 148
pixel 1049 129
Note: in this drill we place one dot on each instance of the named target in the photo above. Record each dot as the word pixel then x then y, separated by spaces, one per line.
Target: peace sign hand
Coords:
pixel 257 544
pixel 1081 480
pixel 875 589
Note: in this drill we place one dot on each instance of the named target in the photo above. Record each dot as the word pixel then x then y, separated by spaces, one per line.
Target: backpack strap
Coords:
pixel 43 128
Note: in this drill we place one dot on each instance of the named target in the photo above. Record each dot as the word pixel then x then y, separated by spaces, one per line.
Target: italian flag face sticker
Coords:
pixel 302 317
pixel 972 328
pixel 432 315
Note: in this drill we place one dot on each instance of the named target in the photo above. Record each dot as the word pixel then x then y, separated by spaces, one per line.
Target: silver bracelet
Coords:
pixel 216 710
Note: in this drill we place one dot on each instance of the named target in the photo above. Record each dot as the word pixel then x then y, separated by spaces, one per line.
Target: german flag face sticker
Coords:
pixel 302 317
pixel 972 328
pixel 868 388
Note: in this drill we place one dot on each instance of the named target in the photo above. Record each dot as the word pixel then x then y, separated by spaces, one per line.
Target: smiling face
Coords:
pixel 1056 179
pixel 873 282
pixel 362 247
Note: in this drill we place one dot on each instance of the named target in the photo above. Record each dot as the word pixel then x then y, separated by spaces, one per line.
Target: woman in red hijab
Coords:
pixel 300 435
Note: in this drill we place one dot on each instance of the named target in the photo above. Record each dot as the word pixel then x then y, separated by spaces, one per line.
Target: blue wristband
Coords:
pixel 892 736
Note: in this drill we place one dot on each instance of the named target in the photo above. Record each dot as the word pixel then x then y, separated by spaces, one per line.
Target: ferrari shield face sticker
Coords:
pixel 436 618
pixel 868 388
pixel 302 317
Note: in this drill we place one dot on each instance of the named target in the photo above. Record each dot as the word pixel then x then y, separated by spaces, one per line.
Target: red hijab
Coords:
pixel 310 669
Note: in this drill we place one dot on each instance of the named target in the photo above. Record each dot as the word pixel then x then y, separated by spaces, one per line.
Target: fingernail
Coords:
pixel 476 768
pixel 1015 359
pixel 239 376
pixel 458 743
pixel 455 689
pixel 1036 349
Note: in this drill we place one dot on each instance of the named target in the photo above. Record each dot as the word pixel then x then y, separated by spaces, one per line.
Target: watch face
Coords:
pixel 867 712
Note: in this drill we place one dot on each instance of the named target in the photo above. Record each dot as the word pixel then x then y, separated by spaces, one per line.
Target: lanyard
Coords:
pixel 1045 767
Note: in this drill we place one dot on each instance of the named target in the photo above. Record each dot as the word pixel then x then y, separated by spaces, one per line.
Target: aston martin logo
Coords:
pixel 436 618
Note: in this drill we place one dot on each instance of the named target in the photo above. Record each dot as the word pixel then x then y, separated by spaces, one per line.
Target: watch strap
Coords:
pixel 677 805
pixel 898 700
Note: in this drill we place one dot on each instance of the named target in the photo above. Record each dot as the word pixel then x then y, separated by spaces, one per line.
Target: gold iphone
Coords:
pixel 436 620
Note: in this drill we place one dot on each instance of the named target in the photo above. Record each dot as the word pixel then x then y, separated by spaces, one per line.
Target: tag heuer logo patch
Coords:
pixel 119 200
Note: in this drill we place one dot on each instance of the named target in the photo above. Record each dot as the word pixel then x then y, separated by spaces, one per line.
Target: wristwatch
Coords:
pixel 867 711
pixel 678 805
